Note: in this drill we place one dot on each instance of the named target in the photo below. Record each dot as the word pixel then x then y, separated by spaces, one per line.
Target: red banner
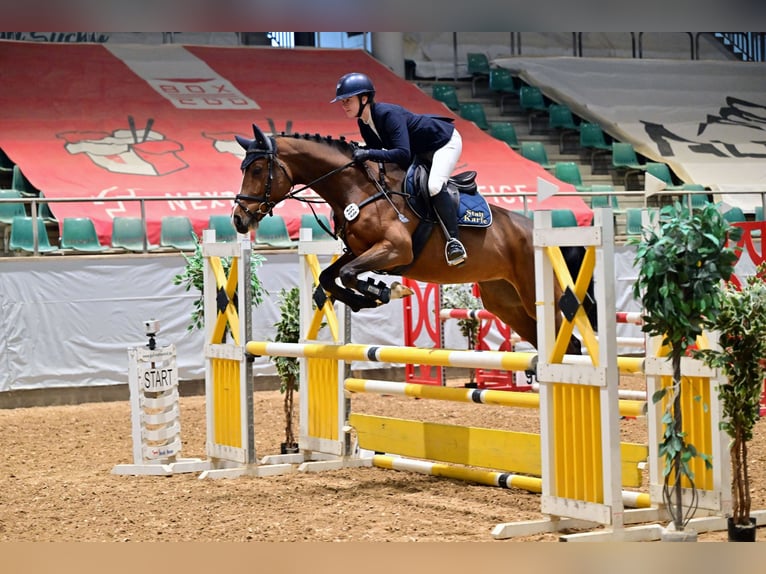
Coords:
pixel 98 121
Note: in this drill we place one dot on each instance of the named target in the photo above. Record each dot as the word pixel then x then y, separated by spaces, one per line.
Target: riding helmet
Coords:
pixel 353 84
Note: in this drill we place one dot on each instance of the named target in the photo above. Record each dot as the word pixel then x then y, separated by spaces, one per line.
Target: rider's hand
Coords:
pixel 361 155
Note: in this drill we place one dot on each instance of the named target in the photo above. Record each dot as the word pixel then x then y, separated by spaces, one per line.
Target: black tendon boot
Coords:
pixel 447 213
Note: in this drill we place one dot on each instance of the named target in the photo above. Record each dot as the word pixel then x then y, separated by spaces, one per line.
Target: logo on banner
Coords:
pixel 127 150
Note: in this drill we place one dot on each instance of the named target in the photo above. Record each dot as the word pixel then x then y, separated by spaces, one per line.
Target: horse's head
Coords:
pixel 263 186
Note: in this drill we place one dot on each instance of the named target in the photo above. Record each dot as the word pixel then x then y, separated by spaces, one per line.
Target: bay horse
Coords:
pixel 377 225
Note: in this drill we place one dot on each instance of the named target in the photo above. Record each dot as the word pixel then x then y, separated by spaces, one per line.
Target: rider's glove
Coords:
pixel 361 155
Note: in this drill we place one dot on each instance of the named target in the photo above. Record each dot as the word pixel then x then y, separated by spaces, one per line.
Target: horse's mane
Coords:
pixel 341 144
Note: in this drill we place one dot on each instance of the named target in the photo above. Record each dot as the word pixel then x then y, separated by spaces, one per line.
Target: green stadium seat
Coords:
pixel 478 68
pixel 505 131
pixel 535 151
pixel 317 232
pixel 474 112
pixel 9 210
pixel 177 232
pixel 503 84
pixel 563 218
pixel 625 161
pixel 593 141
pixel 21 184
pixel 272 231
pixel 569 172
pixel 129 233
pixel 561 120
pixel 224 228
pixel 22 236
pixel 79 234
pixel 532 103
pixel 447 94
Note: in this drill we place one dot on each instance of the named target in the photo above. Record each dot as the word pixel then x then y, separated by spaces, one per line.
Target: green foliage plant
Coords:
pixel 192 278
pixel 288 368
pixel 741 352
pixel 681 263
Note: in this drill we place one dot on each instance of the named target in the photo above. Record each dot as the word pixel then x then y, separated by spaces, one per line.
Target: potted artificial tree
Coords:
pixel 681 263
pixel 288 368
pixel 741 327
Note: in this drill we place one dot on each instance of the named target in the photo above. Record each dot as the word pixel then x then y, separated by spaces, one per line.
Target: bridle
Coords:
pixel 265 204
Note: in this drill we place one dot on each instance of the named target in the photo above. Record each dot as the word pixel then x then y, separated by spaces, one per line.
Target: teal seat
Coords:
pixel 22 236
pixel 503 84
pixel 6 163
pixel 634 219
pixel 569 172
pixel 561 120
pixel 9 210
pixel 563 218
pixel 474 112
pixel 697 200
pixel 625 161
pixel 177 232
pixel 223 227
pixel 312 222
pixel 478 68
pixel 505 131
pixel 593 141
pixel 129 233
pixel 734 215
pixel 79 234
pixel 532 103
pixel 447 94
pixel 272 231
pixel 604 200
pixel 662 172
pixel 20 183
pixel 535 151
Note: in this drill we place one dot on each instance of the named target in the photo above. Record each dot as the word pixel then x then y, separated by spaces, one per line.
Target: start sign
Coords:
pixel 158 379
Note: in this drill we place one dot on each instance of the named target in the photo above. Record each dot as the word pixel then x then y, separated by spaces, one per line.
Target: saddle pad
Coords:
pixel 473 211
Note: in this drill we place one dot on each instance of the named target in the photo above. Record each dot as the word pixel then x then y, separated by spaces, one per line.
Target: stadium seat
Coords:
pixel 272 231
pixel 79 234
pixel 503 85
pixel 593 141
pixel 21 184
pixel 478 67
pixel 177 232
pixel 734 215
pixel 696 200
pixel 9 210
pixel 604 200
pixel 634 219
pixel 532 103
pixel 22 236
pixel 317 232
pixel 447 94
pixel 561 120
pixel 662 172
pixel 569 172
pixel 474 112
pixel 535 151
pixel 563 218
pixel 128 233
pixel 505 131
pixel 6 164
pixel 625 161
pixel 224 228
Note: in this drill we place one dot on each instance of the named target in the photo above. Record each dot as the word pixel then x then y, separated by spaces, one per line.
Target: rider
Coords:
pixel 395 134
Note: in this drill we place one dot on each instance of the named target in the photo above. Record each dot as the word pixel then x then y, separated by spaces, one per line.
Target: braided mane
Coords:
pixel 341 144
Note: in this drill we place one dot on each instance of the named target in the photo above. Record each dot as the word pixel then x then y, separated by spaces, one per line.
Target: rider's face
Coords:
pixel 350 106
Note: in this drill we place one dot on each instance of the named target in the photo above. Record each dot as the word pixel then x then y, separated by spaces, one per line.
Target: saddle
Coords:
pixel 472 208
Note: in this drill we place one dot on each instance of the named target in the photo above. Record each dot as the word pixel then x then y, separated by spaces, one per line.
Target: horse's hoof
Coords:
pixel 399 291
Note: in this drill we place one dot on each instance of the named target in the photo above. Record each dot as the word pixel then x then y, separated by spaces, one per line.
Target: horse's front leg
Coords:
pixel 379 257
pixel 328 283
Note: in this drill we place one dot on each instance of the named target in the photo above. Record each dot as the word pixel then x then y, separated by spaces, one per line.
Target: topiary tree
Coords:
pixel 681 262
pixel 741 352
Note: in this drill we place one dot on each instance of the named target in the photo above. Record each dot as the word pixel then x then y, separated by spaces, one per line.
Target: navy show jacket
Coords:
pixel 403 134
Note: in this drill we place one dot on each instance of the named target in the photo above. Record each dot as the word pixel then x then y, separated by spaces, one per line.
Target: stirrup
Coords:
pixel 454 252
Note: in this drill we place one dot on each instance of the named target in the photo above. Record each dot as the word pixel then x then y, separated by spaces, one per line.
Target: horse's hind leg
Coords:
pixel 501 298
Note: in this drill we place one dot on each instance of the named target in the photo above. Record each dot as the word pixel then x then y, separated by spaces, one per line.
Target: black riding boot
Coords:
pixel 447 213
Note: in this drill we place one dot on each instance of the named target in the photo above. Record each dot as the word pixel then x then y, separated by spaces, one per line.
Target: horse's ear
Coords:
pixel 244 142
pixel 263 142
